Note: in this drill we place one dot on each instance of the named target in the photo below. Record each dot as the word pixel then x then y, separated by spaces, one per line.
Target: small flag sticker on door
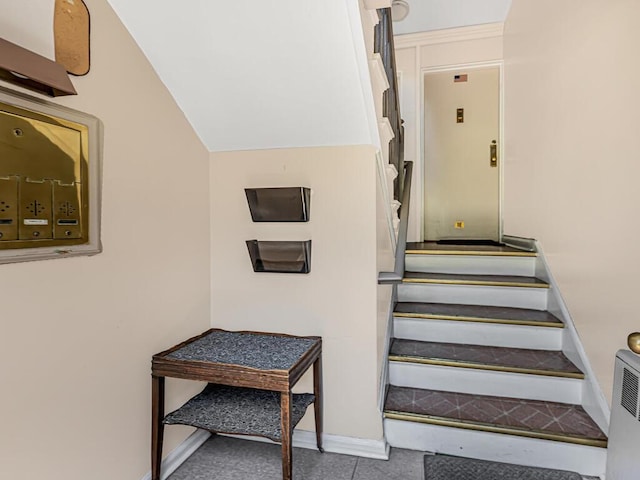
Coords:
pixel 460 78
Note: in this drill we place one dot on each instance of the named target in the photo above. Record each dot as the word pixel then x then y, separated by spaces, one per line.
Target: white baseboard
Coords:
pixel 359 447
pixel 181 453
pixel 384 373
pixel 593 399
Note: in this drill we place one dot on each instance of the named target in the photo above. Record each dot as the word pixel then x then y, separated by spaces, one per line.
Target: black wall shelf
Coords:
pixel 279 204
pixel 280 256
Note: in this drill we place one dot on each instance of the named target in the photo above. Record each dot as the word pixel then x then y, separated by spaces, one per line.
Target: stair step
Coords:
pixel 514 360
pixel 433 248
pixel 486 382
pixel 478 333
pixel 471 264
pixel 484 280
pixel 513 416
pixel 477 313
pixel 503 296
pixel 497 447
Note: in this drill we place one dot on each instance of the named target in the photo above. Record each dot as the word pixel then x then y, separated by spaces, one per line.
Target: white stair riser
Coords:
pixel 478 333
pixel 522 297
pixel 469 264
pixel 496 447
pixel 485 382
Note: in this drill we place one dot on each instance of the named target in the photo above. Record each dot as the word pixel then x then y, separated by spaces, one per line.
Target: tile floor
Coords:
pixel 225 458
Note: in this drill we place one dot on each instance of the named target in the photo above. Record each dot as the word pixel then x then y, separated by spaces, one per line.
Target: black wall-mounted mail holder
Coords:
pixel 280 256
pixel 280 204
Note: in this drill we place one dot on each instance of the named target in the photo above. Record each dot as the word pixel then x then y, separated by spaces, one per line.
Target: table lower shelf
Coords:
pixel 239 410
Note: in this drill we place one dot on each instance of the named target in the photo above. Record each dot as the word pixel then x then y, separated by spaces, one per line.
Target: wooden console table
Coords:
pixel 250 377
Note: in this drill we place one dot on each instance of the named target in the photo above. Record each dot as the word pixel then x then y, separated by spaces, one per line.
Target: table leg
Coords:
pixel 157 427
pixel 285 407
pixel 317 404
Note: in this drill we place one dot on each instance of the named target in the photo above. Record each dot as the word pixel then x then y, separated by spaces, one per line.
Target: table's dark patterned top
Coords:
pixel 253 350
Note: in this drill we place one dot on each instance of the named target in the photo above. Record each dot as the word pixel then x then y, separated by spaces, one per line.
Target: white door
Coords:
pixel 462 180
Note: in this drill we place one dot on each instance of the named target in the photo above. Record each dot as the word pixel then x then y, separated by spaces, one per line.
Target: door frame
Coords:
pixel 420 187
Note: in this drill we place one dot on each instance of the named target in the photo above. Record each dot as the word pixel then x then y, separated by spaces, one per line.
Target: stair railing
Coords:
pixel 391 100
pixel 385 278
pixel 384 45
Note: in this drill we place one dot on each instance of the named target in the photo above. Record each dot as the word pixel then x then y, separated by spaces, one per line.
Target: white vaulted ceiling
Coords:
pixel 252 74
pixel 255 74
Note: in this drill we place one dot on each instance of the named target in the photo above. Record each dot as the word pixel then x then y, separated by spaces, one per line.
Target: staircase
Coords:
pixel 476 367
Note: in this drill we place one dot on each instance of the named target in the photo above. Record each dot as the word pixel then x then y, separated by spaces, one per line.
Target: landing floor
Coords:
pixel 224 458
pixel 445 248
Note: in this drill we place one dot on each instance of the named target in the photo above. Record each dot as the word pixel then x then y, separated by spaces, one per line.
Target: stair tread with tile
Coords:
pixel 477 313
pixel 434 248
pixel 515 360
pixel 458 279
pixel 476 362
pixel 514 416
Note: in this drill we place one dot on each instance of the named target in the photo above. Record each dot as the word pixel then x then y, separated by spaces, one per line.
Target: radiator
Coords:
pixel 623 452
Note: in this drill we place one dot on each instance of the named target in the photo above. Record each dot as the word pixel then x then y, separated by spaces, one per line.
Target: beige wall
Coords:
pixel 571 177
pixel 385 263
pixel 417 53
pixel 337 300
pixel 78 334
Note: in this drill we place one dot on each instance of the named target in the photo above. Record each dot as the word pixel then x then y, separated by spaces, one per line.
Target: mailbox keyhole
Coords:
pixel 18 132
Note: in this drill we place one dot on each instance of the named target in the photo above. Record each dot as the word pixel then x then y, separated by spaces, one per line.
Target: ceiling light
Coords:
pixel 399 10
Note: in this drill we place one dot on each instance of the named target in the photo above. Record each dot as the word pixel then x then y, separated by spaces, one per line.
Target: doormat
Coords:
pixel 490 243
pixel 444 467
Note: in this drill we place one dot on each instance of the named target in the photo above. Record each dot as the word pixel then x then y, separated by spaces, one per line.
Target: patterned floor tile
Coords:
pixel 531 415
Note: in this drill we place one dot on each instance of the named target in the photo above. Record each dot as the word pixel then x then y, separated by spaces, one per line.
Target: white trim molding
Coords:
pixel 593 399
pixel 180 454
pixel 357 447
pixel 361 54
pixel 375 4
pixel 387 196
pixel 374 18
pixel 379 83
pixel 449 35
pixel 386 131
pixel 390 334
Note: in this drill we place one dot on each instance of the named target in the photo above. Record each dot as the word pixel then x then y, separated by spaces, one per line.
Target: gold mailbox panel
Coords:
pixel 43 180
pixel 9 208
